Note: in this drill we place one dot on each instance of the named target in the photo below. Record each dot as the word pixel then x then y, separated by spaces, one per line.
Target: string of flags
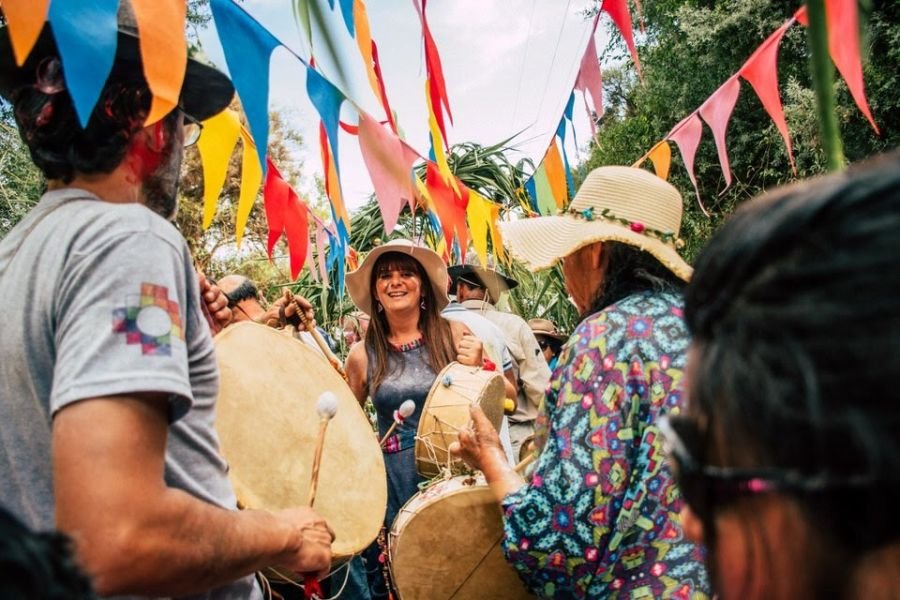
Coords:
pixel 460 214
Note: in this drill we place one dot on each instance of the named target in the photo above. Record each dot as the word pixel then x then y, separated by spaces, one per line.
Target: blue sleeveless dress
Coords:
pixel 409 377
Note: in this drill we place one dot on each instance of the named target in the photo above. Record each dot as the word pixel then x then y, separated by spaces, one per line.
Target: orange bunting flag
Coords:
pixel 216 144
pixel 163 52
pixel 761 72
pixel 25 20
pixel 843 45
pixel 450 206
pixel 716 111
pixel 618 12
pixel 687 135
pixel 251 179
pixel 332 182
pixel 661 156
pixel 556 175
pixel 389 162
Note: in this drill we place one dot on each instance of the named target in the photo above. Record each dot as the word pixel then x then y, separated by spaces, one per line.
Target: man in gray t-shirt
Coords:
pixel 108 376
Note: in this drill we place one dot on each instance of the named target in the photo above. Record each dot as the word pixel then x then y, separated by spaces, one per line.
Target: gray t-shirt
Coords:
pixel 101 299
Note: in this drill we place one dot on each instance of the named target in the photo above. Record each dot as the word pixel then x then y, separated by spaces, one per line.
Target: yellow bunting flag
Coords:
pixel 251 179
pixel 478 215
pixel 216 144
pixel 25 20
pixel 556 175
pixel 163 52
pixel 496 240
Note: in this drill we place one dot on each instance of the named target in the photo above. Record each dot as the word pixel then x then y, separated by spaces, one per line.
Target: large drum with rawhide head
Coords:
pixel 456 388
pixel 267 423
pixel 445 543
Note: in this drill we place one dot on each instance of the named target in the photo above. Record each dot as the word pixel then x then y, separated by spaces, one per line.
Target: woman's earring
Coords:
pixel 422 304
pixel 379 307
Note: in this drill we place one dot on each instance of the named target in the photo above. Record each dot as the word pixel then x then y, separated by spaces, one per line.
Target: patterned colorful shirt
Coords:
pixel 600 516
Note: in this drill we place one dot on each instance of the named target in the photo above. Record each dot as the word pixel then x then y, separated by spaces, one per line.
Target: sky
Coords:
pixel 509 66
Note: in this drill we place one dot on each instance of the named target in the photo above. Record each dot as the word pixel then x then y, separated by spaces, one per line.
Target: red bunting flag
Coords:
pixel 716 111
pixel 449 205
pixel 437 88
pixel 618 12
pixel 286 215
pixel 761 72
pixel 843 45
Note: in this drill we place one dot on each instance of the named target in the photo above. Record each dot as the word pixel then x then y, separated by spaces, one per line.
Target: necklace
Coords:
pixel 412 345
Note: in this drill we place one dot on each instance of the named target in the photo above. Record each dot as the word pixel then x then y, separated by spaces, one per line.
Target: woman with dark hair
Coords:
pixel 599 517
pixel 404 288
pixel 789 455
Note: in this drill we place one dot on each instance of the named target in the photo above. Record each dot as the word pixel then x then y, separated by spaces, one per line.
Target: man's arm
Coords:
pixel 533 370
pixel 134 534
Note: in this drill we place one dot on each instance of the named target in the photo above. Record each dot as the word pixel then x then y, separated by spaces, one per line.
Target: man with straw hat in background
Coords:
pixel 600 517
pixel 549 339
pixel 478 289
pixel 108 376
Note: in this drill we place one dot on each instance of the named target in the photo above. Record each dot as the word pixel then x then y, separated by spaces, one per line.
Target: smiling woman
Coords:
pixel 403 287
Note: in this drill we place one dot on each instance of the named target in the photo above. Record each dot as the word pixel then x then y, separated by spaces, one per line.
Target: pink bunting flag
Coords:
pixel 716 111
pixel 687 135
pixel 843 45
pixel 590 80
pixel 761 72
pixel 618 12
pixel 389 162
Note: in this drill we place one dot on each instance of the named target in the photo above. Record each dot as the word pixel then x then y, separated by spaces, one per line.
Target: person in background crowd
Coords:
pixel 478 289
pixel 600 516
pixel 354 326
pixel 549 339
pixel 788 455
pixel 108 377
pixel 404 287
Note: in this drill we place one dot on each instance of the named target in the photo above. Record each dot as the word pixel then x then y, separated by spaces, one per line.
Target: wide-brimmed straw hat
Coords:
pixel 488 277
pixel 545 328
pixel 616 204
pixel 359 281
pixel 204 93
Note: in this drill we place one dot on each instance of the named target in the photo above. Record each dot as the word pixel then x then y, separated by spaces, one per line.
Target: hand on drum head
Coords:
pixel 480 444
pixel 469 350
pixel 311 551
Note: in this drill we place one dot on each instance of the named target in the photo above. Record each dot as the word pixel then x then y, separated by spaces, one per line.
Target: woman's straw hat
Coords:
pixel 358 281
pixel 616 204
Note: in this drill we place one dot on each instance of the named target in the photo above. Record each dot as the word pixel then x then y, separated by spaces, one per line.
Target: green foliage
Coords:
pixel 21 183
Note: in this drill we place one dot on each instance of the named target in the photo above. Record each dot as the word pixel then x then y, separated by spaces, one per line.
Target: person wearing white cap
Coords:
pixel 600 516
pixel 108 376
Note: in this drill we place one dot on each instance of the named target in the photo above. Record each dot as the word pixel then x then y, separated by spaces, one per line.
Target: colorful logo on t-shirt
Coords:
pixel 151 320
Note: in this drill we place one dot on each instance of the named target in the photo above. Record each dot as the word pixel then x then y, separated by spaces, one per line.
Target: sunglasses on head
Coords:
pixel 707 488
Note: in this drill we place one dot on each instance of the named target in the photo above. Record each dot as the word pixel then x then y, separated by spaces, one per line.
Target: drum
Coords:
pixel 446 411
pixel 432 557
pixel 267 424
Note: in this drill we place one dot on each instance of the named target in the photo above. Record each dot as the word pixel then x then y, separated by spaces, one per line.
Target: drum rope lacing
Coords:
pixel 267 587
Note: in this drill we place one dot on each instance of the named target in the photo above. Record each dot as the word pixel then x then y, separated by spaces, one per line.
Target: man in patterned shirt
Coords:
pixel 600 517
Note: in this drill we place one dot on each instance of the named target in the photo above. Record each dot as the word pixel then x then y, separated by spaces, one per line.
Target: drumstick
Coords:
pixel 519 468
pixel 319 341
pixel 326 406
pixel 407 408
